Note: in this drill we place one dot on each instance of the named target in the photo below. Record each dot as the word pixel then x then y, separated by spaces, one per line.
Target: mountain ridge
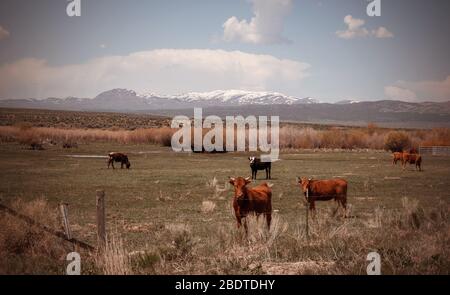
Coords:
pixel 247 102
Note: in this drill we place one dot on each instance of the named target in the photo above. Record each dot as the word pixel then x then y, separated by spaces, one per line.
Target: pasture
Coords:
pixel 174 209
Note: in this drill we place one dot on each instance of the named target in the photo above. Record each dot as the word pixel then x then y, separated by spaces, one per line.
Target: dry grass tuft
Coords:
pixel 114 259
pixel 208 207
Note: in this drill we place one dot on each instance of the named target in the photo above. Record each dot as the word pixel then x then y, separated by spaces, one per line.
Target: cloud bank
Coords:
pixel 265 27
pixel 419 91
pixel 165 71
pixel 355 28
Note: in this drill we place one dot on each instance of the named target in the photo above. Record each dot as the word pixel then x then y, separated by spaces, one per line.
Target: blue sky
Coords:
pixel 330 50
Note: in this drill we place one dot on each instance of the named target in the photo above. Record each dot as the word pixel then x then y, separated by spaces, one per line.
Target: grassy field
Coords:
pixel 157 207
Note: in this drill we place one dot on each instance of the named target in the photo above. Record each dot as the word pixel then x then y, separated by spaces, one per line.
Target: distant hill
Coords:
pixel 233 102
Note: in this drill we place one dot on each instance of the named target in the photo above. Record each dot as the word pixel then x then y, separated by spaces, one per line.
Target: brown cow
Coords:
pixel 412 159
pixel 118 157
pixel 325 190
pixel 246 200
pixel 397 156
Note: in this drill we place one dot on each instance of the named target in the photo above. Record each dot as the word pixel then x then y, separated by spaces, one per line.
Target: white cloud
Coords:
pixel 398 93
pixel 3 33
pixel 102 46
pixel 420 90
pixel 355 28
pixel 265 27
pixel 164 70
pixel 382 32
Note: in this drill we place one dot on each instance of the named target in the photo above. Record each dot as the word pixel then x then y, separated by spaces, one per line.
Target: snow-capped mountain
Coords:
pixel 233 97
pixel 347 101
pixel 128 100
pixel 239 97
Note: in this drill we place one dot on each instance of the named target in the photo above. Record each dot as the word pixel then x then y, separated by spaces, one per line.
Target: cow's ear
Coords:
pixel 232 179
pixel 247 180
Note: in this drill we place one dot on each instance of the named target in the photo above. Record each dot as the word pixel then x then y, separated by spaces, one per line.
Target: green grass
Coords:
pixel 136 210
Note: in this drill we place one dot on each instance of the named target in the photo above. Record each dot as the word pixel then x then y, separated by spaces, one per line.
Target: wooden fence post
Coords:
pixel 63 207
pixel 101 219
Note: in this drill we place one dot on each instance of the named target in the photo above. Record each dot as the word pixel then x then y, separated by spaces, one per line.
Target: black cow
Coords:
pixel 256 164
pixel 118 157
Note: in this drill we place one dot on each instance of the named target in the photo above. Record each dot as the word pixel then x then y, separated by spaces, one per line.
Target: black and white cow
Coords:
pixel 256 164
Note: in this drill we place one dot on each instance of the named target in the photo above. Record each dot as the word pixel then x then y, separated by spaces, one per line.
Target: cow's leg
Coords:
pixel 109 163
pixel 245 226
pixel 343 202
pixel 112 164
pixel 256 172
pixel 270 169
pixel 121 165
pixel 312 208
pixel 337 207
pixel 268 220
pixel 238 219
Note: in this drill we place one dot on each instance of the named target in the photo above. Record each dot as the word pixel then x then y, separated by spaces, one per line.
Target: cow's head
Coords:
pixel 127 163
pixel 252 160
pixel 239 184
pixel 304 183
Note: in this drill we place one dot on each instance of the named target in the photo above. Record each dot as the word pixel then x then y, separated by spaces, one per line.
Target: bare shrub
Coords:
pixel 291 137
pixel 397 141
pixel 437 137
pixel 161 136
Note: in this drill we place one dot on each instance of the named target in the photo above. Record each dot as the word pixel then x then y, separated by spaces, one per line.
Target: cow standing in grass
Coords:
pixel 397 156
pixel 118 157
pixel 325 190
pixel 246 200
pixel 412 159
pixel 256 164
